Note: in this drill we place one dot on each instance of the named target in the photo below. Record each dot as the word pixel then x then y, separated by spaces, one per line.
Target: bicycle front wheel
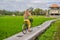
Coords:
pixel 24 29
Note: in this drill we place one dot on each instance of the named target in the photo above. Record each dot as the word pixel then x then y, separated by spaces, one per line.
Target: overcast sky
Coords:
pixel 15 5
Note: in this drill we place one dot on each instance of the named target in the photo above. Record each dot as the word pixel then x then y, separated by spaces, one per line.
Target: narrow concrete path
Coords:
pixel 31 35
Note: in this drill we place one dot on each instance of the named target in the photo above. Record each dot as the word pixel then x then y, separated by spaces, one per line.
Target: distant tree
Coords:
pixel 4 12
pixel 22 13
pixel 37 11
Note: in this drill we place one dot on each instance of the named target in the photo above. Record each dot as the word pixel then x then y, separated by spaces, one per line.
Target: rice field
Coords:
pixel 10 25
pixel 52 33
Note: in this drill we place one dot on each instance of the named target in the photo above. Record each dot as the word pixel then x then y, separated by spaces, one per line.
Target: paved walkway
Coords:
pixel 31 35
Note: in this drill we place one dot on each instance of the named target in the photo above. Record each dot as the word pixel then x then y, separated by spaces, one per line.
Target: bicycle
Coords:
pixel 25 26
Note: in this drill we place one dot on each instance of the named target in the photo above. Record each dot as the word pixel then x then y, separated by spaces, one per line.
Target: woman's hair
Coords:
pixel 28 10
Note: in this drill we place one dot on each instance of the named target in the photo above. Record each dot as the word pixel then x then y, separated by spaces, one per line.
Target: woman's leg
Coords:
pixel 29 25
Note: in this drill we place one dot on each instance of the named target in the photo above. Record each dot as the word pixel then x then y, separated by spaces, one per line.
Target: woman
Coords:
pixel 27 14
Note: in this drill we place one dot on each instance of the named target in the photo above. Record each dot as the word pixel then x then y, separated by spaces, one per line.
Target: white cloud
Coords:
pixel 24 4
pixel 18 0
pixel 12 0
pixel 36 1
pixel 44 1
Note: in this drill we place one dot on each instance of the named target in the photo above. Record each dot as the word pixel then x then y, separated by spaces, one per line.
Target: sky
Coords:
pixel 21 5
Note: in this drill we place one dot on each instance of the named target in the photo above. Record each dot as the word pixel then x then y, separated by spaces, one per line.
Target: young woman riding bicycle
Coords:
pixel 27 15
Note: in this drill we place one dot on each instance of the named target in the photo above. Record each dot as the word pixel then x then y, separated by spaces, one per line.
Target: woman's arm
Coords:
pixel 30 15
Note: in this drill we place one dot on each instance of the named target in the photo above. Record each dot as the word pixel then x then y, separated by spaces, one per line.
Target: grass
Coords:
pixel 10 25
pixel 53 33
pixel 57 32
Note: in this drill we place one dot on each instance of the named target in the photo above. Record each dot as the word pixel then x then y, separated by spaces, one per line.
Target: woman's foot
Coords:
pixel 29 30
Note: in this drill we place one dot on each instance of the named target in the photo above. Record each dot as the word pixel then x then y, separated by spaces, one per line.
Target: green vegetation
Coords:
pixel 57 32
pixel 53 33
pixel 36 11
pixel 10 25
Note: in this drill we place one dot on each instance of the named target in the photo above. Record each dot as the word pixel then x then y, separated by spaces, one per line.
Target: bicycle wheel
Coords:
pixel 24 28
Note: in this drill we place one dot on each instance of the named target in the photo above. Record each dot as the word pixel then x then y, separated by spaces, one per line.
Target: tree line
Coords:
pixel 36 11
